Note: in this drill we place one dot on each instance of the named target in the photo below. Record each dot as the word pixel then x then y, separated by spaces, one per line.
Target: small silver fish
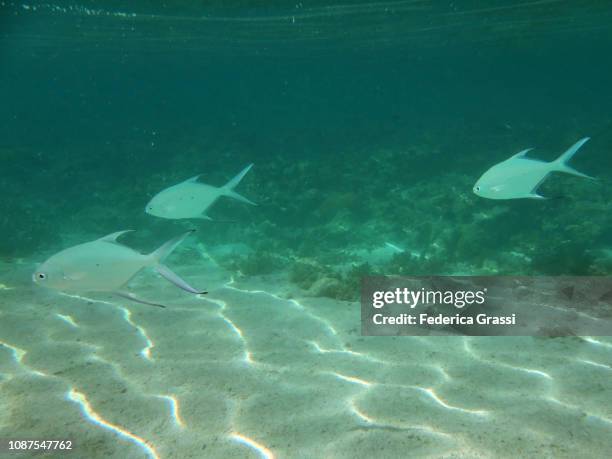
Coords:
pixel 191 199
pixel 519 176
pixel 104 265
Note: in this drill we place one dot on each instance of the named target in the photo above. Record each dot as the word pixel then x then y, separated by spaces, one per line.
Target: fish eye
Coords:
pixel 41 276
pixel 477 188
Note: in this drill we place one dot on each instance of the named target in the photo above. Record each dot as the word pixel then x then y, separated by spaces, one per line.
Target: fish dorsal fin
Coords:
pixel 193 179
pixel 113 236
pixel 522 153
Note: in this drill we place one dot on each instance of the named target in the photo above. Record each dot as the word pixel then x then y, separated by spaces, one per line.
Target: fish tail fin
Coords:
pixel 166 249
pixel 228 188
pixel 560 164
pixel 158 256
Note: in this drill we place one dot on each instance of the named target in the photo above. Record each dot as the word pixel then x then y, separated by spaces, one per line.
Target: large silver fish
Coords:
pixel 519 176
pixel 191 199
pixel 104 265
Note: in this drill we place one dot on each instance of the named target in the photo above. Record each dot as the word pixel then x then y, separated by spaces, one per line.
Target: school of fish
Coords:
pixel 105 265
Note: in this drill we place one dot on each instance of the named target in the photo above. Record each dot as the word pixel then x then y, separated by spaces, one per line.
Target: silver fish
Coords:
pixel 519 176
pixel 104 265
pixel 191 199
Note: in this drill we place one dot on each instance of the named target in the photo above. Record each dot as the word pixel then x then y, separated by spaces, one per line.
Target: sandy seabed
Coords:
pixel 244 372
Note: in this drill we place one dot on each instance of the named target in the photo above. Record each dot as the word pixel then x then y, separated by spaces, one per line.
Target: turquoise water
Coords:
pixel 368 124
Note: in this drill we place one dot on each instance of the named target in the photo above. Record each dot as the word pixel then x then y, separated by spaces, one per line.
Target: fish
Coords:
pixel 519 176
pixel 105 265
pixel 191 198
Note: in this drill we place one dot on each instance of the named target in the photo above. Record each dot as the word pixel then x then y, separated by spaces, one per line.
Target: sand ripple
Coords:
pixel 245 372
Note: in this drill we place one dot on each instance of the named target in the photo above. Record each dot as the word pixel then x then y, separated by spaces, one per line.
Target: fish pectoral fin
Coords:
pixel 536 196
pixel 170 276
pixel 131 296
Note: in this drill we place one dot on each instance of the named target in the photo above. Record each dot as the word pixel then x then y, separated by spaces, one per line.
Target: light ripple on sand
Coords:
pixel 246 371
